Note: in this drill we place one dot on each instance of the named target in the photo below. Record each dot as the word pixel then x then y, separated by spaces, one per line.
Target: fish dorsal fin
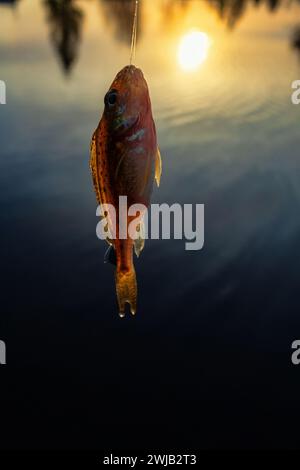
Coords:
pixel 139 243
pixel 96 182
pixel 158 167
pixel 93 167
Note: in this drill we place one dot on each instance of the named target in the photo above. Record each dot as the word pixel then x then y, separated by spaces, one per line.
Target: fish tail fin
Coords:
pixel 126 287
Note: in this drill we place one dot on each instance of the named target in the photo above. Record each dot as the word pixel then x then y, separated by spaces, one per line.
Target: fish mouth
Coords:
pixel 123 126
pixel 129 71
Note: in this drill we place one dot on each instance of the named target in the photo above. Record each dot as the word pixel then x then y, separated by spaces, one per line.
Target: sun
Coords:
pixel 192 50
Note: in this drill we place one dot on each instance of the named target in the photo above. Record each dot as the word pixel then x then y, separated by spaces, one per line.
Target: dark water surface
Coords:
pixel 206 361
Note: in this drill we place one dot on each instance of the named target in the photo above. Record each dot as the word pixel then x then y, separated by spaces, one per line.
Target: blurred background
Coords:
pixel 206 363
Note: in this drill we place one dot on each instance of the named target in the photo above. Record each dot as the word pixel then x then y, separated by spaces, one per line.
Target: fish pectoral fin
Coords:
pixel 119 165
pixel 158 167
pixel 139 243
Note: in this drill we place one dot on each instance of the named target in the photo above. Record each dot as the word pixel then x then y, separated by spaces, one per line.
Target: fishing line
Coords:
pixel 134 31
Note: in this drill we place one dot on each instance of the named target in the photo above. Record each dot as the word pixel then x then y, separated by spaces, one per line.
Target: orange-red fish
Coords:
pixel 125 160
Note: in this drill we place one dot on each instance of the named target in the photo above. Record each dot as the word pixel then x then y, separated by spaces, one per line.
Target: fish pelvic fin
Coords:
pixel 110 255
pixel 126 288
pixel 139 243
pixel 158 167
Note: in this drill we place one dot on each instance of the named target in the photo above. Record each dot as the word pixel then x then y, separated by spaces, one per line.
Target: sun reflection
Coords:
pixel 193 49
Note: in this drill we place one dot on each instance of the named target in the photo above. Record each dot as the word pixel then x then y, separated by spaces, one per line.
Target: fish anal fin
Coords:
pixel 139 243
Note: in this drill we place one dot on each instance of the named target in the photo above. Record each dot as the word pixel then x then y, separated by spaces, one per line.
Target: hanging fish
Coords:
pixel 125 160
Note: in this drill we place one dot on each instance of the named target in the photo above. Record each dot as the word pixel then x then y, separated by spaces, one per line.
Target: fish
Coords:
pixel 125 161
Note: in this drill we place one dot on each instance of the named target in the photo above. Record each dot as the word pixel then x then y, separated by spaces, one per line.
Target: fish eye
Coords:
pixel 110 98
